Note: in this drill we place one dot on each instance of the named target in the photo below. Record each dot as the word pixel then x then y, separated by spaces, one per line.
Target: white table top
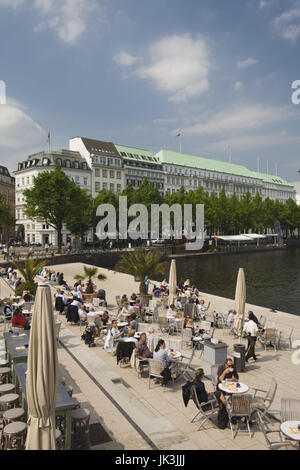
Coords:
pixel 290 429
pixel 230 387
pixel 174 354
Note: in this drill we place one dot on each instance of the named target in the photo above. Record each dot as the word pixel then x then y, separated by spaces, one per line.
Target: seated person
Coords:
pixel 202 395
pixel 156 292
pixel 116 333
pixel 161 354
pixel 76 292
pixel 133 298
pixel 190 325
pixel 152 334
pixel 60 301
pixel 124 312
pixel 27 296
pixel 138 304
pixel 82 313
pixel 131 337
pixel 164 283
pixel 172 310
pixel 195 291
pixel 19 319
pixel 227 371
pixel 133 323
pixel 230 319
pixel 8 310
pixel 104 321
pixel 124 299
pixel 142 351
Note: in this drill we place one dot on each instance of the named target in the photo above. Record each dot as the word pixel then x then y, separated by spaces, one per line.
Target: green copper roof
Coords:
pixel 133 153
pixel 176 158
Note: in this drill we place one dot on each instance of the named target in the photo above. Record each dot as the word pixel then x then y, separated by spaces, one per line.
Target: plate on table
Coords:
pixel 124 323
pixel 137 335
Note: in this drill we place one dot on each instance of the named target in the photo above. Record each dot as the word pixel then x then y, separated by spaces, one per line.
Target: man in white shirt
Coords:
pixel 76 292
pixel 251 329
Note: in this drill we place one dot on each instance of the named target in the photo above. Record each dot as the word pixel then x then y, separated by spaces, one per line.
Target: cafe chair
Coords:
pixel 289 409
pixel 8 401
pixel 186 337
pixel 5 375
pixel 263 403
pixel 239 407
pixel 285 338
pixel 124 351
pixel 14 414
pixel 81 429
pixel 205 410
pixel 280 442
pixel 14 436
pixel 185 368
pixel 271 338
pixel 214 374
pixel 7 388
pixel 155 369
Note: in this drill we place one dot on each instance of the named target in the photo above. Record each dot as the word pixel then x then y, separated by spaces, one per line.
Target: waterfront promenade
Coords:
pixel 135 417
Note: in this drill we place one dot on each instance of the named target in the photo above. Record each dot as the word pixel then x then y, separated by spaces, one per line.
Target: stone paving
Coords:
pixel 138 418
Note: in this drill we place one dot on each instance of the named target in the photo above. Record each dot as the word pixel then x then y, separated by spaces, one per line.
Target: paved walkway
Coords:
pixel 138 418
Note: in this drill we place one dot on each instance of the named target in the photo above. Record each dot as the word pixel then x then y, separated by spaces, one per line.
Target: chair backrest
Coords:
pixel 272 391
pixel 290 409
pixel 136 310
pixel 241 405
pixel 57 326
pixel 194 397
pixel 262 320
pixel 161 311
pixel 163 321
pixel 270 334
pixel 96 302
pixel 214 373
pixel 155 367
pixel 186 334
pixel 263 429
pixel 205 325
pixel 91 319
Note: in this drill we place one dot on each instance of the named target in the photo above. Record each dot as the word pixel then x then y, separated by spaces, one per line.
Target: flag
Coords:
pixel 48 135
pixel 179 134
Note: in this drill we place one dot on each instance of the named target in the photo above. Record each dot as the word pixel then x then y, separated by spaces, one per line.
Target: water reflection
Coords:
pixel 273 278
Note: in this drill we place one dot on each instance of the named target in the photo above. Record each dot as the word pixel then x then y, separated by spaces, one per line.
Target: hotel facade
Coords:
pixel 96 165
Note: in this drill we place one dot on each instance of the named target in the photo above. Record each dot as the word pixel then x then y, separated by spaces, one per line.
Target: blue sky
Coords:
pixel 136 72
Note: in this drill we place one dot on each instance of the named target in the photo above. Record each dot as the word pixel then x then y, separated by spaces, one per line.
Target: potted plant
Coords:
pixel 89 273
pixel 142 263
pixel 28 270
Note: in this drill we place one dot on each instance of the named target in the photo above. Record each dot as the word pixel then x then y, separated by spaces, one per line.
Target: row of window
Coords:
pixel 106 161
pixel 68 163
pixel 111 187
pixel 137 183
pixel 204 174
pixel 144 174
pixel 105 173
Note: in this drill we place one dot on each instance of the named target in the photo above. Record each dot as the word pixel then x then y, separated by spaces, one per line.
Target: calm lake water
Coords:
pixel 272 278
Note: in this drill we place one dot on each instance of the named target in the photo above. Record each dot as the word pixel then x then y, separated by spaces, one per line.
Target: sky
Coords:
pixel 137 73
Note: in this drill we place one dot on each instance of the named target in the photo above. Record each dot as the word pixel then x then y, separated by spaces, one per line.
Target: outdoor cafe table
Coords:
pixel 291 430
pixel 231 388
pixel 15 356
pixel 64 403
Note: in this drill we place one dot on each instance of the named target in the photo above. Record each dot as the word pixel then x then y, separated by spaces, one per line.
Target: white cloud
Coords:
pixel 17 129
pixel 178 65
pixel 67 18
pixel 242 64
pixel 124 59
pixel 287 25
pixel 238 86
pixel 241 119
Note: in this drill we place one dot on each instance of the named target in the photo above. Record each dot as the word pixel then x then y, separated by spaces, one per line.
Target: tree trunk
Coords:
pixel 59 238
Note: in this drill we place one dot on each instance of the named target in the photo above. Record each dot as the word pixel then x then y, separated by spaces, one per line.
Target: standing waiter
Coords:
pixel 251 329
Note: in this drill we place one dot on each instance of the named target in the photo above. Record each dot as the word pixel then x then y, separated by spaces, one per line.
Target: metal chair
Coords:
pixel 185 369
pixel 14 436
pixel 14 414
pixel 205 325
pixel 280 442
pixel 270 338
pixel 8 401
pixel 7 388
pixel 205 410
pixel 80 428
pixel 155 369
pixel 186 337
pixel 5 375
pixel 290 409
pixel 263 403
pixel 285 337
pixel 164 325
pixel 214 374
pixel 239 407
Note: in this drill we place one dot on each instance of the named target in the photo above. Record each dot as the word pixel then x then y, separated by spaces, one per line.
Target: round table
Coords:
pixel 230 388
pixel 173 355
pixel 290 429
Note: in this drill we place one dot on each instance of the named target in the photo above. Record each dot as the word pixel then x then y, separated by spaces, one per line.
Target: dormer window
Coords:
pixel 58 161
pixel 76 164
pixel 45 161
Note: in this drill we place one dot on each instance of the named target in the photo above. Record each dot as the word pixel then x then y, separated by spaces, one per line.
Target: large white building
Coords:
pixel 75 167
pixel 95 165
